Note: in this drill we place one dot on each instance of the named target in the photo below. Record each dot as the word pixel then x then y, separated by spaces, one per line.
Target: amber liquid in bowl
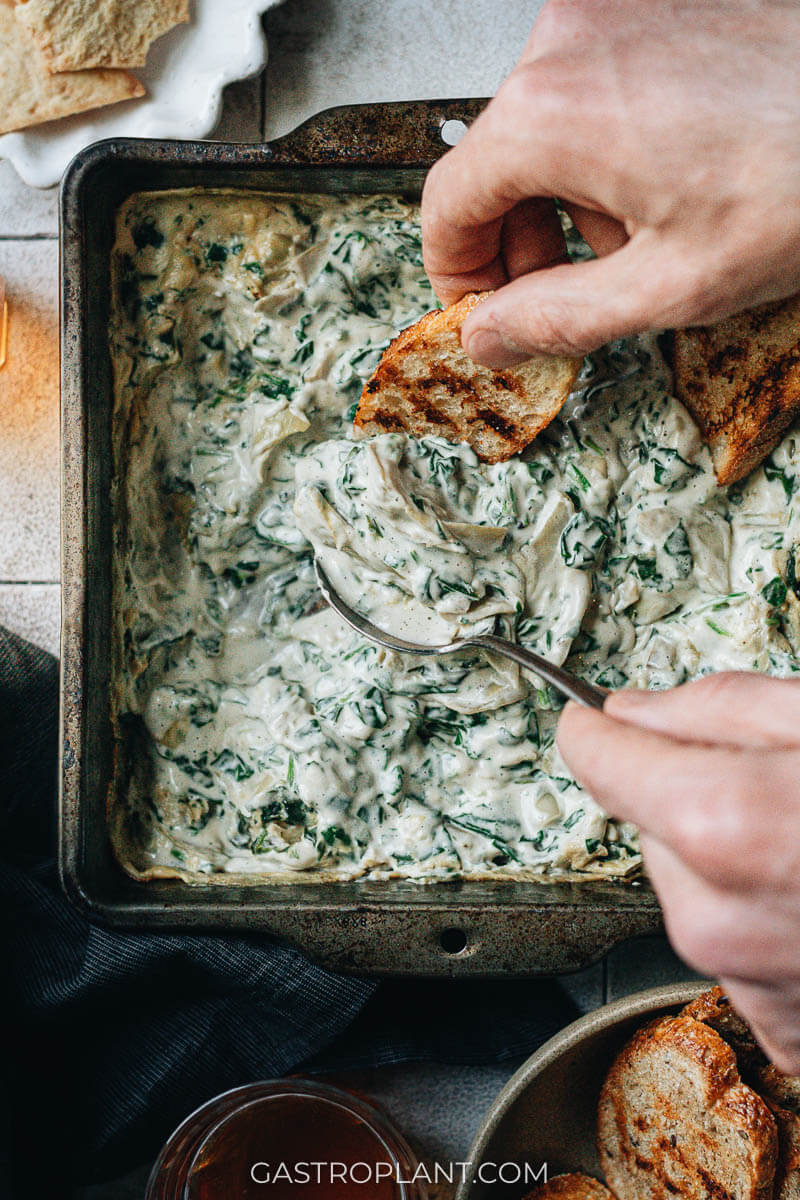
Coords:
pixel 290 1140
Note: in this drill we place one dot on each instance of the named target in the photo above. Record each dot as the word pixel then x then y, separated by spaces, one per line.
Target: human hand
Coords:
pixel 710 772
pixel 671 130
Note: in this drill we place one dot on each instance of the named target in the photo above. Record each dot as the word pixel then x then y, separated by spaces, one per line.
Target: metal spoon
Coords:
pixel 569 685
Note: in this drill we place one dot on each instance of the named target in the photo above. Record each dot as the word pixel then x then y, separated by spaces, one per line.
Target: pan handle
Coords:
pixel 402 134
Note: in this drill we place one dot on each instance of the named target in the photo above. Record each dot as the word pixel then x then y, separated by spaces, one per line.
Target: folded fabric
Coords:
pixel 112 1038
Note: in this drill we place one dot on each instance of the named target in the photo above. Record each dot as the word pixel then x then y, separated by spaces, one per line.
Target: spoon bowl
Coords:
pixel 564 682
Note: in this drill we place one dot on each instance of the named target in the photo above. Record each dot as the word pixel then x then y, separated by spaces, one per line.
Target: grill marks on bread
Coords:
pixel 740 380
pixel 781 1092
pixel 674 1119
pixel 426 384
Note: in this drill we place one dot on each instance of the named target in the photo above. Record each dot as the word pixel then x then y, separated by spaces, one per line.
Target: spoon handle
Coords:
pixel 569 685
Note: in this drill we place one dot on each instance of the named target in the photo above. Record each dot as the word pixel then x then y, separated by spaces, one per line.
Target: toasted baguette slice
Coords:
pixel 570 1187
pixel 740 380
pixel 781 1092
pixel 714 1008
pixel 787 1174
pixel 427 384
pixel 674 1119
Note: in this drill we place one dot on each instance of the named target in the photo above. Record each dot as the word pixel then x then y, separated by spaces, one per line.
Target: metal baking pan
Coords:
pixel 470 928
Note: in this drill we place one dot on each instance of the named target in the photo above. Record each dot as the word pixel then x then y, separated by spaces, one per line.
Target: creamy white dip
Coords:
pixel 257 734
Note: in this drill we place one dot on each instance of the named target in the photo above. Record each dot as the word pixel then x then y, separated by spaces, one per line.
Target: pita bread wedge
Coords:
pixel 426 384
pixel 29 94
pixel 74 35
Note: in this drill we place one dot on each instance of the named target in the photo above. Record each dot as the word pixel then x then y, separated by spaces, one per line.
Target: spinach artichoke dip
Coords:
pixel 258 735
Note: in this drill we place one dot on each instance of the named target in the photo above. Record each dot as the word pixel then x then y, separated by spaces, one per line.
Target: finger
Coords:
pixel 527 238
pixel 577 308
pixel 512 152
pixel 731 708
pixel 773 1013
pixel 532 238
pixel 682 794
pixel 604 233
pixel 717 930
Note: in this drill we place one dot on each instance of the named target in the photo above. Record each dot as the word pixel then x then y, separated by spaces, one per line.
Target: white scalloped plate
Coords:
pixel 186 71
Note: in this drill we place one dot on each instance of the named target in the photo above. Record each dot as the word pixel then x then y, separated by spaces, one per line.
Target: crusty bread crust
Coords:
pixel 572 1186
pixel 426 384
pixel 714 1008
pixel 674 1119
pixel 781 1092
pixel 787 1173
pixel 740 380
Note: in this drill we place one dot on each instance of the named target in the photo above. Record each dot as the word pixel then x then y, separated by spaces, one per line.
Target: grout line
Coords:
pixel 28 237
pixel 30 582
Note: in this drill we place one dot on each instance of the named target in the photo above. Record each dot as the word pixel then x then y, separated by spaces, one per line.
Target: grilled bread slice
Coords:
pixel 573 1186
pixel 674 1119
pixel 787 1174
pixel 714 1008
pixel 740 380
pixel 781 1092
pixel 426 384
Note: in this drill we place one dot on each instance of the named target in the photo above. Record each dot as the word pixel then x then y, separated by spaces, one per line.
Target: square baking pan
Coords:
pixel 466 928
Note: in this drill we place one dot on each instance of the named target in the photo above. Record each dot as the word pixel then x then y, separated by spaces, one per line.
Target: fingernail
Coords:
pixel 490 347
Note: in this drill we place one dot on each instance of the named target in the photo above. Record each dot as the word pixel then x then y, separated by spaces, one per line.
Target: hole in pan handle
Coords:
pixel 453 940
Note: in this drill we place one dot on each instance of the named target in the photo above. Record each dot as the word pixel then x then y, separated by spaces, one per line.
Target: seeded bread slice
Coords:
pixel 674 1119
pixel 714 1009
pixel 787 1174
pixel 426 384
pixel 740 380
pixel 781 1092
pixel 573 1186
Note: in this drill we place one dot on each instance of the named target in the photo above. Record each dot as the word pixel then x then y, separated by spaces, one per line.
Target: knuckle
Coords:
pixel 431 190
pixel 541 87
pixel 556 20
pixel 519 90
pixel 552 326
pixel 692 291
pixel 721 686
pixel 715 837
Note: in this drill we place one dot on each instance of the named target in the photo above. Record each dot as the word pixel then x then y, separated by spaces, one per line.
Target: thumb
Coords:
pixel 575 308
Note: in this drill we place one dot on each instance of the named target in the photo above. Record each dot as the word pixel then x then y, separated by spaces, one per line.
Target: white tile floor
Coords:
pixel 322 52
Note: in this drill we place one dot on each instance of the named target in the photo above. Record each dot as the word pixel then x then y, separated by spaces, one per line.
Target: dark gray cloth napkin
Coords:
pixel 111 1039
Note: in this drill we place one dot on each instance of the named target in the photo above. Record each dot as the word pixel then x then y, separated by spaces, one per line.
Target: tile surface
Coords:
pixel 644 963
pixel 241 117
pixel 327 52
pixel 25 211
pixel 33 610
pixel 586 988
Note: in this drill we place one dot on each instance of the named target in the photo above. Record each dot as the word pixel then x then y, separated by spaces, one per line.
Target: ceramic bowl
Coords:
pixel 546 1112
